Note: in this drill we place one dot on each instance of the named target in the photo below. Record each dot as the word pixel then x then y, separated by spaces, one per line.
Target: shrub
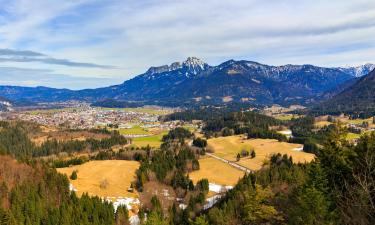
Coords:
pixel 104 184
pixel 74 175
pixel 252 154
pixel 200 143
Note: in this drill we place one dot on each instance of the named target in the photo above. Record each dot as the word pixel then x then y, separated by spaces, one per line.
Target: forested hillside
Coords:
pixel 33 193
pixel 338 188
pixel 357 99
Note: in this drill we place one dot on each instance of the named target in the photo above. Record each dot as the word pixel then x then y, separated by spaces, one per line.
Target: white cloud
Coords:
pixel 136 34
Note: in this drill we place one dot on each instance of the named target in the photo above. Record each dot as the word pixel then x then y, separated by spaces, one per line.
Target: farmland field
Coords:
pixel 229 147
pixel 286 116
pixel 117 174
pixel 154 141
pixel 321 124
pixel 216 172
pixel 136 130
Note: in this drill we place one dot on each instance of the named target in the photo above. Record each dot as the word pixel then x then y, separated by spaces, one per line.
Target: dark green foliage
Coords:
pixel 73 176
pixel 54 147
pixel 252 154
pixel 265 134
pixel 304 133
pixel 69 162
pixel 240 122
pixel 227 132
pixel 14 141
pixel 199 114
pixel 348 171
pixel 245 204
pixel 202 185
pixel 156 205
pixel 302 127
pixel 48 201
pixel 238 157
pixel 310 147
pixel 122 216
pixel 200 143
pixel 180 180
pixel 178 133
pixel 356 100
pixel 43 197
pixel 173 158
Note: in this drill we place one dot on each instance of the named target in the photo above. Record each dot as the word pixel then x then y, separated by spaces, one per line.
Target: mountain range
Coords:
pixel 358 98
pixel 195 82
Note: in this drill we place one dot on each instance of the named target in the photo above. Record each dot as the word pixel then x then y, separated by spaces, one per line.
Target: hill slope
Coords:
pixel 355 99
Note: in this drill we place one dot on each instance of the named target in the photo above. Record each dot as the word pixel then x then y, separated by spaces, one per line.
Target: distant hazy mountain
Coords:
pixel 196 82
pixel 38 94
pixel 357 98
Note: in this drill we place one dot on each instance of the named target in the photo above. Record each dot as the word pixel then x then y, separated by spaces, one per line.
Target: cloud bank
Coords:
pixel 9 55
pixel 79 38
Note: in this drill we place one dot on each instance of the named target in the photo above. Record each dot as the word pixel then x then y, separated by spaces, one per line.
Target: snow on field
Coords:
pixel 128 202
pixel 298 149
pixel 218 188
pixel 286 132
pixel 211 201
pixel 120 201
pixel 71 188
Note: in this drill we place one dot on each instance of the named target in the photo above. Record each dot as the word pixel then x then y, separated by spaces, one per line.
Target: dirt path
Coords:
pixel 233 164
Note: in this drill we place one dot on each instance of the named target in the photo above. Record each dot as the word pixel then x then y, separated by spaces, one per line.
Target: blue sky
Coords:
pixel 91 43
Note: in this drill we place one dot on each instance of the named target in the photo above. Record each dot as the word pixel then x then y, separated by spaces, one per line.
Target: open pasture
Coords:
pixel 154 141
pixel 135 130
pixel 108 178
pixel 229 147
pixel 216 172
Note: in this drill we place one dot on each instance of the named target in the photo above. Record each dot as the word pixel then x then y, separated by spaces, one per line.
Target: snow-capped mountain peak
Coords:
pixel 194 62
pixel 191 66
pixel 359 71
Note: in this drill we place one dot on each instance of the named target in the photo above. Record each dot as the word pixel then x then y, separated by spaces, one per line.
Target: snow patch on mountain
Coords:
pixel 5 106
pixel 358 71
pixel 191 66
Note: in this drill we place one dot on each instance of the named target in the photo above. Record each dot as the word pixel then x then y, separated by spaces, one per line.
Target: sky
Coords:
pixel 80 44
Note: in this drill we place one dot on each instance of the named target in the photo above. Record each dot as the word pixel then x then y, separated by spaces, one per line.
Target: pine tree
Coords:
pixel 73 176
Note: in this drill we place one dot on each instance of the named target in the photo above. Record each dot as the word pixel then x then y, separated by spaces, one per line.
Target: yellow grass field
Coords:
pixel 229 147
pixel 118 174
pixel 321 124
pixel 216 172
pixel 286 116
